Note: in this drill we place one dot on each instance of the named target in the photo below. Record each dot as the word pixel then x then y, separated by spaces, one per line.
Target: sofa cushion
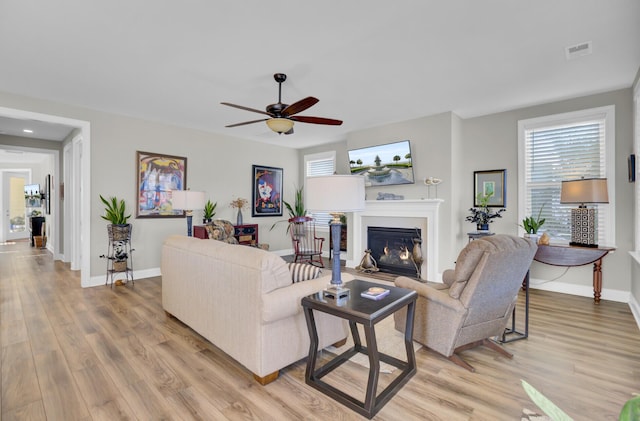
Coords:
pixel 303 271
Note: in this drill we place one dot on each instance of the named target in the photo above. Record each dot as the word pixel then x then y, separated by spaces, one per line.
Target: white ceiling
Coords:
pixel 369 62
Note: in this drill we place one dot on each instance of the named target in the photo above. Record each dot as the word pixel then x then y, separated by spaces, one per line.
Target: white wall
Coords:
pixel 491 142
pixel 449 147
pixel 443 146
pixel 220 165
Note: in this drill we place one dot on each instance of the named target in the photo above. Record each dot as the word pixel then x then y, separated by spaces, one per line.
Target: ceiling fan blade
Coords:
pixel 316 120
pixel 298 107
pixel 247 122
pixel 246 108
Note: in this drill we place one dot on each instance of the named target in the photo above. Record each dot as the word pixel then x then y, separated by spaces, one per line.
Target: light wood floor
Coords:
pixel 105 354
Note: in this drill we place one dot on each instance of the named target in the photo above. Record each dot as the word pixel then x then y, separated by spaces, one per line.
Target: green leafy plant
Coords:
pixel 295 211
pixel 630 410
pixel 548 407
pixel 209 209
pixel 531 225
pixel 115 211
pixel 481 214
pixel 298 205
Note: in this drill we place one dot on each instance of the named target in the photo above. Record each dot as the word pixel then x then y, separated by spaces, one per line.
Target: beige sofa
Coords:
pixel 242 299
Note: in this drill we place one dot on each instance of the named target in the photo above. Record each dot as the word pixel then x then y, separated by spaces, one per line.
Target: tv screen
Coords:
pixel 383 165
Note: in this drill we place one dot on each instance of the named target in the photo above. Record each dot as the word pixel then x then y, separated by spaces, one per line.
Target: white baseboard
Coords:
pixel 580 290
pixel 635 309
pixel 137 274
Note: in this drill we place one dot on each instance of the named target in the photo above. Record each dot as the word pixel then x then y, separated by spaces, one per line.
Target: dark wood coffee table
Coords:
pixel 368 313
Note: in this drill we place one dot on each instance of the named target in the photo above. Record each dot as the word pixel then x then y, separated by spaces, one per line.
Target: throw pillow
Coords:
pixel 221 230
pixel 303 272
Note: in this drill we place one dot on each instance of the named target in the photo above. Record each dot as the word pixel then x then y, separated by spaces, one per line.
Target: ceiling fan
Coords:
pixel 282 116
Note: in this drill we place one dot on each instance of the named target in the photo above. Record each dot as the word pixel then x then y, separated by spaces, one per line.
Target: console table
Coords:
pixel 357 309
pixel 246 234
pixel 570 256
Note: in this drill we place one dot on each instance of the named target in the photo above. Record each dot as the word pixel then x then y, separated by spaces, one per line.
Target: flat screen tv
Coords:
pixel 383 165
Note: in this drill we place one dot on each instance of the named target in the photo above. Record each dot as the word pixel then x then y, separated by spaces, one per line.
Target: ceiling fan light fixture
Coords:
pixel 280 125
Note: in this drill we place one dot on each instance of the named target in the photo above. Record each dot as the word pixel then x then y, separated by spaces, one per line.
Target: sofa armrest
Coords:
pixel 285 302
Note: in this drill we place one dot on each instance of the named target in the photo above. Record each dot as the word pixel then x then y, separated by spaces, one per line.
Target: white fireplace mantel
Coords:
pixel 421 214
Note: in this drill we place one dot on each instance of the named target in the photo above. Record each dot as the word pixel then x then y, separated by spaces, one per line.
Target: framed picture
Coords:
pixel 157 175
pixel 493 184
pixel 267 191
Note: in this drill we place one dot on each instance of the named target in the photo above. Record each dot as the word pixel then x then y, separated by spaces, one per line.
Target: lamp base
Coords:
pixel 572 243
pixel 336 292
pixel 583 227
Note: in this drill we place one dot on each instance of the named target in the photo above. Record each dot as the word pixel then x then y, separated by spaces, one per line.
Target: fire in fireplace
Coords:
pixel 397 250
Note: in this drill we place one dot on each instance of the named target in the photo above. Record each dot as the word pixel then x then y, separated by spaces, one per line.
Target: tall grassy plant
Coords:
pixel 115 211
pixel 298 206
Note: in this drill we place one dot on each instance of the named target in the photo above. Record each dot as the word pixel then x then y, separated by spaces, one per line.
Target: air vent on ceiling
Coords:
pixel 578 50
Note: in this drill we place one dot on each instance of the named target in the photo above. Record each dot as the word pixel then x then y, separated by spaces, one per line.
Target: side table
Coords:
pixel 569 256
pixel 357 309
pixel 474 235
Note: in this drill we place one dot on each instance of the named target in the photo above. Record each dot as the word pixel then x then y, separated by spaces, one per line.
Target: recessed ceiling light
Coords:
pixel 27 130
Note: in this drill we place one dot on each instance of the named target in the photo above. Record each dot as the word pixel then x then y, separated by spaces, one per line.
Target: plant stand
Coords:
pixel 119 239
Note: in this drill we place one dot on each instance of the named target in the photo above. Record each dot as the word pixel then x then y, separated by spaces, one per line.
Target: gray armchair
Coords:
pixel 476 299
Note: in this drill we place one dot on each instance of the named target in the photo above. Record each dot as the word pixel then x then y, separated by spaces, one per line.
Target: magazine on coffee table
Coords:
pixel 375 293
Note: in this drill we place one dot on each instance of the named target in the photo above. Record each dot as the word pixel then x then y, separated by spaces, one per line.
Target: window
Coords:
pixel 566 147
pixel 320 164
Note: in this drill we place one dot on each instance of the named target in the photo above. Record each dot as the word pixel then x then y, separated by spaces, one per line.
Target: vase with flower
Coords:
pixel 239 204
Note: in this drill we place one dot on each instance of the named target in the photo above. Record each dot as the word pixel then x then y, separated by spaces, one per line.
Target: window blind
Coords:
pixel 317 165
pixel 560 152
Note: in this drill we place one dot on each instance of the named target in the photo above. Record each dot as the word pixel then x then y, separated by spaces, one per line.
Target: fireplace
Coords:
pixel 412 214
pixel 397 250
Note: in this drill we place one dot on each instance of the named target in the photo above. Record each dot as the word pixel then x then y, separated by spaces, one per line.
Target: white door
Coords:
pixel 15 224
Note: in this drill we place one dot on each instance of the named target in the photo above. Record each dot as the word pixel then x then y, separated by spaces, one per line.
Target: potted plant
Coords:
pixel 531 225
pixel 297 212
pixel 209 211
pixel 481 215
pixel 120 257
pixel 115 212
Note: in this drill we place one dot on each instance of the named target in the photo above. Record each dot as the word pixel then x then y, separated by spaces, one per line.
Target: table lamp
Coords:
pixel 335 194
pixel 188 201
pixel 584 220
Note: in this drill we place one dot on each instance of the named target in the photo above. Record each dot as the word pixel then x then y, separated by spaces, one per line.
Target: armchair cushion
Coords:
pixel 466 263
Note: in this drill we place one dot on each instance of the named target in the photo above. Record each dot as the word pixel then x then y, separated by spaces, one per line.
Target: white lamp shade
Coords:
pixel 187 199
pixel 585 190
pixel 335 193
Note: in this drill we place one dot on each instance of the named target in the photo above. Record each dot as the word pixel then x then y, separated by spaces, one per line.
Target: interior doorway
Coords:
pixel 78 193
pixel 15 214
